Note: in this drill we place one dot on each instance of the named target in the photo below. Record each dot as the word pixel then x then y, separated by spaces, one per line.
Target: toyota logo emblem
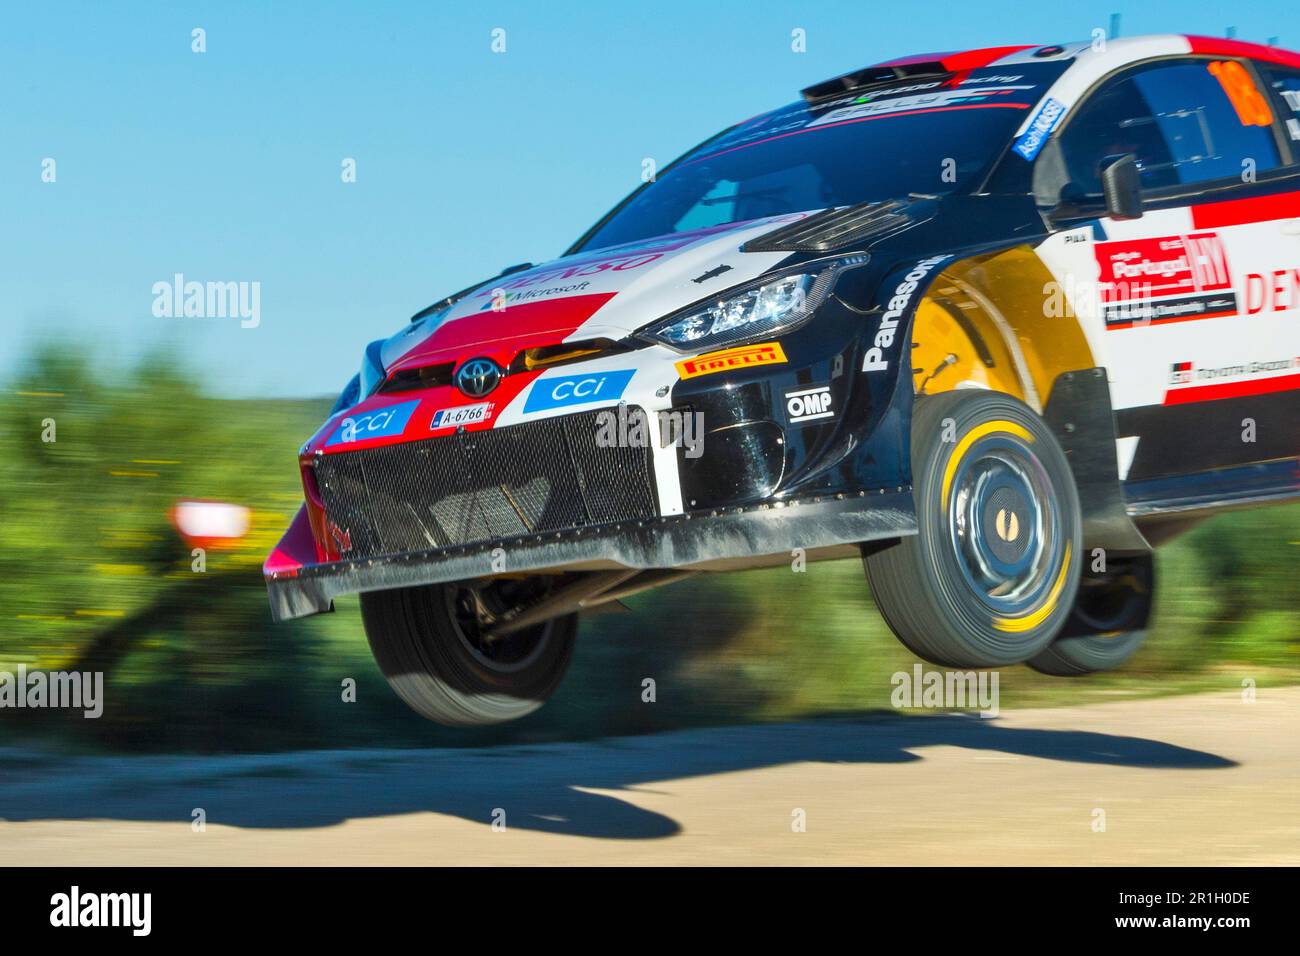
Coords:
pixel 478 376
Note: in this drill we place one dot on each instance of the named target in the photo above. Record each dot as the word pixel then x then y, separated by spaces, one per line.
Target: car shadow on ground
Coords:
pixel 541 788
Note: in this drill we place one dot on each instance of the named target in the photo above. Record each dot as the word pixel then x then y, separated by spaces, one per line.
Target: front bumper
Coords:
pixel 534 492
pixel 706 540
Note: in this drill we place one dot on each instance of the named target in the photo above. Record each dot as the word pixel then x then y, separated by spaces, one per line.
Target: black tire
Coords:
pixel 429 645
pixel 970 589
pixel 1107 624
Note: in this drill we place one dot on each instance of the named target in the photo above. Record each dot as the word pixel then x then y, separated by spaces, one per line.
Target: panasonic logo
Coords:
pixel 896 308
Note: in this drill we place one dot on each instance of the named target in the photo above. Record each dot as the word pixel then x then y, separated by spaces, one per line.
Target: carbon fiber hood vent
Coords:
pixel 834 229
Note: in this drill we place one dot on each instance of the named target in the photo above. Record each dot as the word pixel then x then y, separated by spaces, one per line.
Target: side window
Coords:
pixel 1187 122
pixel 1287 84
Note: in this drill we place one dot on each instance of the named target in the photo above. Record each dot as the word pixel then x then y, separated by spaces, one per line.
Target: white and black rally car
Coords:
pixel 997 321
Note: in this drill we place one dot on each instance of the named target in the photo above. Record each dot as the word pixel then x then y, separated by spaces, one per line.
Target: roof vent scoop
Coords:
pixel 872 75
pixel 833 229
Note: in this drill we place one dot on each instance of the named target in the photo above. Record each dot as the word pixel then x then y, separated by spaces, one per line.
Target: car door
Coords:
pixel 1194 307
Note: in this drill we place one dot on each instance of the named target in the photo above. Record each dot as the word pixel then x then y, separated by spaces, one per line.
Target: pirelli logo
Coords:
pixel 768 353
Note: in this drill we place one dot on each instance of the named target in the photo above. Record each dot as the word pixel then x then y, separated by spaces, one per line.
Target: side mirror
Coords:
pixel 1121 187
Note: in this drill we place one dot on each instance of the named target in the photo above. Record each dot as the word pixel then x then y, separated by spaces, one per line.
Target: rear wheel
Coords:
pixel 1108 623
pixel 434 645
pixel 991 575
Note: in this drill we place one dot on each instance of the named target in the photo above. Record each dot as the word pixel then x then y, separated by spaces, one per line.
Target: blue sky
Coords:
pixel 225 165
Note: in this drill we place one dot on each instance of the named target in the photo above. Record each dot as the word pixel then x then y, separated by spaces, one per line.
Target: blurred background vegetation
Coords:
pixel 92 577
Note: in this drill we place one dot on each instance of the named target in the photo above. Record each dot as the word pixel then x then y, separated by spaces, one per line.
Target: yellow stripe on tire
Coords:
pixel 972 436
pixel 1017 625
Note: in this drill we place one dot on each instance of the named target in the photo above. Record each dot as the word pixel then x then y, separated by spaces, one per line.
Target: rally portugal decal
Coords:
pixel 1169 279
pixel 746 356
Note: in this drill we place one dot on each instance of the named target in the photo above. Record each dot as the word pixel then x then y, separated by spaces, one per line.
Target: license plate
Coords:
pixel 461 415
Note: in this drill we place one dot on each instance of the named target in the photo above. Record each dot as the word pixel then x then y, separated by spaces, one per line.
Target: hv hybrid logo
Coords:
pixel 568 390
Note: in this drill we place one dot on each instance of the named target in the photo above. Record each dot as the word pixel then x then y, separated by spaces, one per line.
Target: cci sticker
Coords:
pixel 461 415
pixel 578 389
pixel 376 423
pixel 769 353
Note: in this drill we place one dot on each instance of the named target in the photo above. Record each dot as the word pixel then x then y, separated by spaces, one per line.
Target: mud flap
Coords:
pixel 1079 412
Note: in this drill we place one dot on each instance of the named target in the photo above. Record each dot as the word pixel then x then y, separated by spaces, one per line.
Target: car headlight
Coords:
pixel 772 306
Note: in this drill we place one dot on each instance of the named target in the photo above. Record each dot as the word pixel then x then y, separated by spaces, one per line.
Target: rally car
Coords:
pixel 997 321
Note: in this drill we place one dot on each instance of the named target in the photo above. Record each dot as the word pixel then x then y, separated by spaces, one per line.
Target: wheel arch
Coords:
pixel 1001 322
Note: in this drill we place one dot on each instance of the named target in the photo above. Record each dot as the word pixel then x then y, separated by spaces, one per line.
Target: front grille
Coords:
pixel 474 487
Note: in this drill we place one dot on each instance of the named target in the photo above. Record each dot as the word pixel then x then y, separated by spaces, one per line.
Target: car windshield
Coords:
pixel 930 137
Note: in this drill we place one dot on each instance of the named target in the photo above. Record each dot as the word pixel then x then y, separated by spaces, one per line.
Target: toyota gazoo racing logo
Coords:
pixel 874 360
pixel 478 377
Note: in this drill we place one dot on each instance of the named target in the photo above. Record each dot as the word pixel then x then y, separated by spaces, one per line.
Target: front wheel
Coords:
pixel 434 647
pixel 990 577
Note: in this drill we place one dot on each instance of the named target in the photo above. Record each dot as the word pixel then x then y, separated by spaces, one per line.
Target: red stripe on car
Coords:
pixel 1209 393
pixel 1237 212
pixel 957 61
pixel 547 322
pixel 974 59
pixel 1219 46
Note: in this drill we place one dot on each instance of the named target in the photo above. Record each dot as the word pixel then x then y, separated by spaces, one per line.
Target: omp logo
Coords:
pixel 768 353
pixel 578 389
pixel 874 360
pixel 809 404
pixel 1180 372
pixel 377 423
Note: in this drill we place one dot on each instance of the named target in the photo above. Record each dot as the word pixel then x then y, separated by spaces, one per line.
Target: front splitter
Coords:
pixel 697 540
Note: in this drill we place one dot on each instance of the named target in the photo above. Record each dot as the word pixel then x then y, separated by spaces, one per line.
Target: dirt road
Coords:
pixel 1205 779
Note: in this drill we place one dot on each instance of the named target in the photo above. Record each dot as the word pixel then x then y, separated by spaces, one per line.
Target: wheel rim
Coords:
pixel 472 610
pixel 1002 525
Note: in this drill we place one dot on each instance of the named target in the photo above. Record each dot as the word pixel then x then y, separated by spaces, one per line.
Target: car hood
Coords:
pixel 608 293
